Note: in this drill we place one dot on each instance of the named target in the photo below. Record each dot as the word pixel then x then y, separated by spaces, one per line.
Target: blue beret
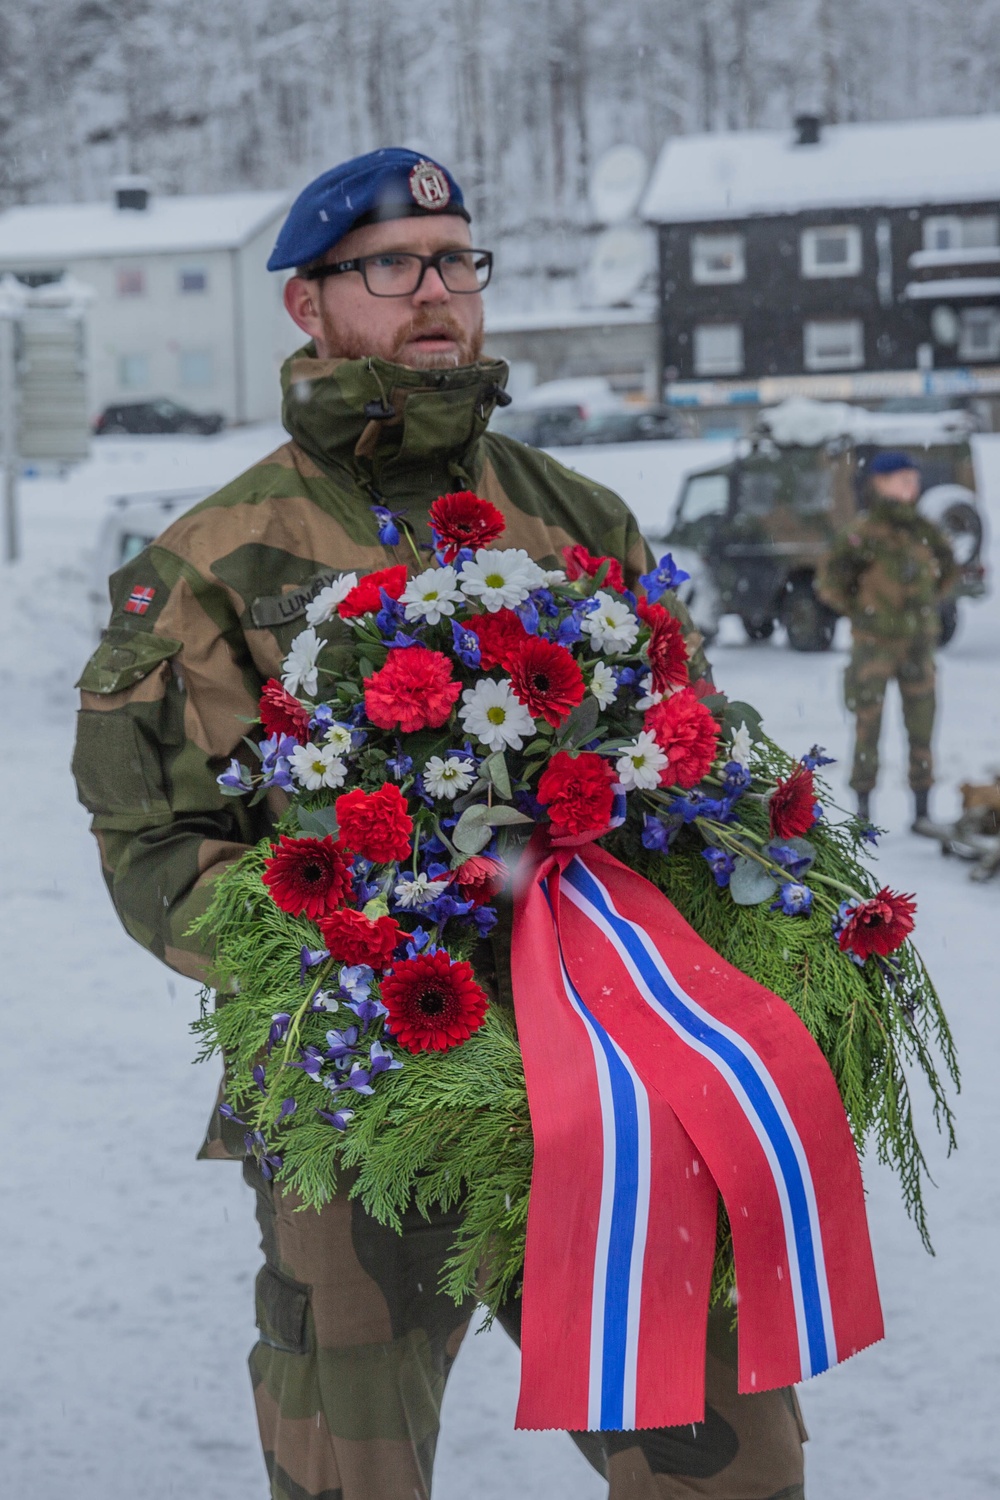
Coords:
pixel 388 184
pixel 891 462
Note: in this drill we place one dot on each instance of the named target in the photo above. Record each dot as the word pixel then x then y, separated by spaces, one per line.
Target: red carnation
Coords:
pixel 433 1004
pixel 353 938
pixel 879 925
pixel 667 651
pixel 578 792
pixel 792 805
pixel 687 734
pixel 308 877
pixel 280 713
pixel 365 597
pixel 579 561
pixel 375 824
pixel 414 690
pixel 464 520
pixel 481 878
pixel 546 679
pixel 501 636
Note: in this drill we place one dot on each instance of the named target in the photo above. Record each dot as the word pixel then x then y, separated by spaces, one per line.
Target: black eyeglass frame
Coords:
pixel 360 263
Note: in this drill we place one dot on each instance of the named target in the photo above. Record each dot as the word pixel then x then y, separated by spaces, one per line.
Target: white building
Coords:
pixel 183 305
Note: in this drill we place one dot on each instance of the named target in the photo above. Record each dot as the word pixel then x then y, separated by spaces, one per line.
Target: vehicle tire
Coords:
pixel 810 625
pixel 758 630
pixel 948 610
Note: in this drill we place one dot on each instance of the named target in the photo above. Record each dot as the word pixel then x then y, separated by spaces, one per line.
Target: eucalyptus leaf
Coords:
pixel 496 816
pixel 581 725
pixel 318 822
pixel 495 767
pixel 735 714
pixel 472 832
pixel 802 848
pixel 750 884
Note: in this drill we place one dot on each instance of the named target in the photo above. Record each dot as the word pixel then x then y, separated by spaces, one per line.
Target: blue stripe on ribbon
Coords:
pixel 744 1068
pixel 618 1268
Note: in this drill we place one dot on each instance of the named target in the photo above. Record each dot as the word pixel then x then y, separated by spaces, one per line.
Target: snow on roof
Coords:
pixel 509 320
pixel 57 232
pixel 803 422
pixel 952 286
pixel 733 175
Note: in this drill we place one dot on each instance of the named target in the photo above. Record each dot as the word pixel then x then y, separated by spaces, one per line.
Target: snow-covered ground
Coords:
pixel 129 1265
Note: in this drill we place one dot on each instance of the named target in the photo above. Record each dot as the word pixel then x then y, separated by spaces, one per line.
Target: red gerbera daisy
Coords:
pixel 481 878
pixel 308 877
pixel 579 561
pixel 464 520
pixel 280 713
pixel 578 792
pixel 501 635
pixel 792 805
pixel 353 938
pixel 365 598
pixel 433 1004
pixel 414 690
pixel 879 925
pixel 375 824
pixel 687 734
pixel 667 651
pixel 546 679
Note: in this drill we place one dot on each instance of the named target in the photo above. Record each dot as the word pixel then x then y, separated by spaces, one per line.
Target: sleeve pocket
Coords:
pixel 117 770
pixel 124 658
pixel 282 1306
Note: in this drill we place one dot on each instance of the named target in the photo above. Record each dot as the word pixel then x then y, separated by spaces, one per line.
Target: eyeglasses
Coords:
pixel 400 273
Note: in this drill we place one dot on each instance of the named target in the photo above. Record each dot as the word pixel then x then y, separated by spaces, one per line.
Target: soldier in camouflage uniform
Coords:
pixel 889 574
pixel 355 1341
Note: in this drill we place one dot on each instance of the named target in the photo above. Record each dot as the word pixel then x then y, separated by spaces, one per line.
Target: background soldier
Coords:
pixel 888 574
pixel 387 406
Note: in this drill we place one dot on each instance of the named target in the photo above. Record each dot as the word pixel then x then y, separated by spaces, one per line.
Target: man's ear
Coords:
pixel 301 298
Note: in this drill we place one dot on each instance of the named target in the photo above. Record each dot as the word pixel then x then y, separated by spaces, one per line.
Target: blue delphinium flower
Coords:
pixel 817 757
pixel 419 942
pixel 792 860
pixel 322 717
pixel 228 1113
pixel 399 765
pixel 465 644
pixel 236 777
pixel 276 753
pixel 391 615
pixel 338 1118
pixel 656 835
pixel 625 676
pixel 268 1161
pixel 280 1023
pixel 356 981
pixel 288 1107
pixel 485 919
pixel 666 575
pixel 340 1044
pixel 308 959
pixel 258 1075
pixel 870 834
pixel 381 1060
pixel 720 863
pixel 527 613
pixel 388 524
pixel 794 900
pixel 692 805
pixel 735 778
pixel 367 1010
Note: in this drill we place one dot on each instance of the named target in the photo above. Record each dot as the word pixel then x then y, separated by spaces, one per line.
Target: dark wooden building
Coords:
pixel 859 262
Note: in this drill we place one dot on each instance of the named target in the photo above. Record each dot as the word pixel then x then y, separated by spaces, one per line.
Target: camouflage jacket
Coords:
pixel 889 573
pixel 207 612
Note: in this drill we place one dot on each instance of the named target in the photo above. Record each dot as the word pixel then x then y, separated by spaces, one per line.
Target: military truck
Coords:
pixel 752 531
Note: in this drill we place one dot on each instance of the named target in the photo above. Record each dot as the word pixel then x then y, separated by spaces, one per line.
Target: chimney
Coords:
pixel 131 194
pixel 807 129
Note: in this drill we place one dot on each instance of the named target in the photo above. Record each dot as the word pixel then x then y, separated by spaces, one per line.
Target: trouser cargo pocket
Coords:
pixel 282 1312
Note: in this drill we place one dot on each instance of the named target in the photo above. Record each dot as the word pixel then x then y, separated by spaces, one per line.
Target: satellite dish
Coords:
pixel 617 182
pixel 621 261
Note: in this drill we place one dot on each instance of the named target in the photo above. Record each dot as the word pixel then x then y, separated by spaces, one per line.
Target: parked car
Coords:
pixel 551 415
pixel 161 415
pixel 638 424
pixel 756 528
pixel 132 522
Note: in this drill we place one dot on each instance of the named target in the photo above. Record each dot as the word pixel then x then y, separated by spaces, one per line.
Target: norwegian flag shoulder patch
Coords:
pixel 139 601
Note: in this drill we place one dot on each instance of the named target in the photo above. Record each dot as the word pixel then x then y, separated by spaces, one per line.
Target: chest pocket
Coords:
pixel 131 716
pixel 285 616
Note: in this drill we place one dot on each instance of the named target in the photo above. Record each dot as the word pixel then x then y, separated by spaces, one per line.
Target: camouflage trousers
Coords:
pixel 355 1345
pixel 875 661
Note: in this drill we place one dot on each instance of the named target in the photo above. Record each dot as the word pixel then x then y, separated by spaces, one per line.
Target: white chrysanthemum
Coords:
pixel 649 699
pixel 495 716
pixel 431 594
pixel 340 738
pixel 603 685
pixel 448 776
pixel 420 891
pixel 552 577
pixel 640 763
pixel 740 751
pixel 500 579
pixel 324 606
pixel 612 626
pixel 298 670
pixel 314 766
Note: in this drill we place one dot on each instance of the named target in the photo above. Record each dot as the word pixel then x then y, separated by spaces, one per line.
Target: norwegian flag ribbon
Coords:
pixel 658 1075
pixel 139 600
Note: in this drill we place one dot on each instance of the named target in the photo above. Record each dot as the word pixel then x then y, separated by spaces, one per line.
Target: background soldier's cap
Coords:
pixel 388 184
pixel 891 463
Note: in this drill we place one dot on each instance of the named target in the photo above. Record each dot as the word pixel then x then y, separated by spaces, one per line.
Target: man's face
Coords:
pixel 433 329
pixel 903 486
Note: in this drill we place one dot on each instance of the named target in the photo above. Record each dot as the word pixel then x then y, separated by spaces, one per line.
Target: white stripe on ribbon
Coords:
pixel 593 912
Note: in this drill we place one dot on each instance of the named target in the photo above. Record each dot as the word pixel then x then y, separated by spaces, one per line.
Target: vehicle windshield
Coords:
pixel 704 495
pixel 165 408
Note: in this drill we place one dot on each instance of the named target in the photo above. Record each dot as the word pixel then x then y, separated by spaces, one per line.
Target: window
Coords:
pixel 834 345
pixel 196 367
pixel 718 349
pixel 831 250
pixel 717 258
pixel 956 232
pixel 130 281
pixel 133 371
pixel 193 279
pixel 704 495
pixel 979 336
